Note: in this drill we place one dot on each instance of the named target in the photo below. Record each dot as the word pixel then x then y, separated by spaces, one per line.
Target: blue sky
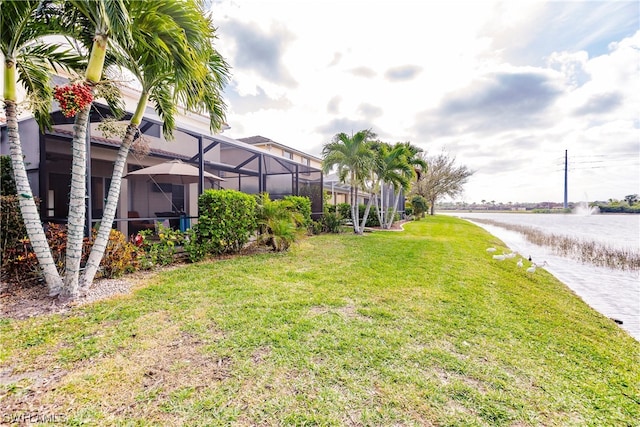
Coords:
pixel 505 87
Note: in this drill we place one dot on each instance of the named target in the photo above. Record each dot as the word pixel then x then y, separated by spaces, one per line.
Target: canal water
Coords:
pixel 614 293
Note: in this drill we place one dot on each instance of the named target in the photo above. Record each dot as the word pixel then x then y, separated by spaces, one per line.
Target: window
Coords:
pixel 287 154
pixel 306 161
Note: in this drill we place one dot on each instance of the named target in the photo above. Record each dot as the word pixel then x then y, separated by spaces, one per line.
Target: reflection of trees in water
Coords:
pixel 583 250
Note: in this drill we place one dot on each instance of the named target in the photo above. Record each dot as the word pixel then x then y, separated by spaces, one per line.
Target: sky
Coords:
pixel 503 87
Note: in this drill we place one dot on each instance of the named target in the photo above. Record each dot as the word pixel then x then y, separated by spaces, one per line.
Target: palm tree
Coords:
pixel 28 60
pixel 392 169
pixel 109 22
pixel 418 165
pixel 353 159
pixel 173 59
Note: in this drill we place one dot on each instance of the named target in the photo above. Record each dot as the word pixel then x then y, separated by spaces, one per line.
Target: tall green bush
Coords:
pixel 301 205
pixel 372 220
pixel 7 183
pixel 419 205
pixel 344 209
pixel 227 219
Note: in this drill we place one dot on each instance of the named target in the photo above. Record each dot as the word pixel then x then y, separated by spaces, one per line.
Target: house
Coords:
pixel 282 150
pixel 339 192
pixel 243 166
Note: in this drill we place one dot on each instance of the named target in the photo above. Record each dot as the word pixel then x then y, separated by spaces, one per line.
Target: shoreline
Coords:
pixel 613 300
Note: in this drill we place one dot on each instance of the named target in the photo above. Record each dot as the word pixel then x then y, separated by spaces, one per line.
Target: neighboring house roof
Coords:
pixel 261 140
pixel 332 181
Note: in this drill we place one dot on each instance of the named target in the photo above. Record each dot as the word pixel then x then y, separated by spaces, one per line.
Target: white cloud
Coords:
pixel 504 86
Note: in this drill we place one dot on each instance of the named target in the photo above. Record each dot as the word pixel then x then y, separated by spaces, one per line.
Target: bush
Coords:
pixel 278 222
pixel 419 205
pixel 7 183
pixel 372 218
pixel 344 209
pixel 301 205
pixel 120 256
pixel 21 265
pixel 160 249
pixel 226 222
pixel 316 227
pixel 12 228
pixel 332 222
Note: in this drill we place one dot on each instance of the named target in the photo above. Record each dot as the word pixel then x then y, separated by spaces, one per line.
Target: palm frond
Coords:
pixel 36 80
pixel 165 107
pixel 55 57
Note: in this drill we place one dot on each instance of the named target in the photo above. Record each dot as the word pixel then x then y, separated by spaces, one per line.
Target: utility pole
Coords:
pixel 566 204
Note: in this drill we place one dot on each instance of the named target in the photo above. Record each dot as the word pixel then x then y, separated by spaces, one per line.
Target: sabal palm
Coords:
pixel 353 159
pixel 28 61
pixel 173 59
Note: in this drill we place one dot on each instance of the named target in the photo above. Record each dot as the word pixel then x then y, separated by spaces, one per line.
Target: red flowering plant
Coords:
pixel 73 98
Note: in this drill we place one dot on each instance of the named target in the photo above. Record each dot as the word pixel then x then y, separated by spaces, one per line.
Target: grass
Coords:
pixel 420 327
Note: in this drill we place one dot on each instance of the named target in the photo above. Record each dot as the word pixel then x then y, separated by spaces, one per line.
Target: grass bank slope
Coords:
pixel 420 327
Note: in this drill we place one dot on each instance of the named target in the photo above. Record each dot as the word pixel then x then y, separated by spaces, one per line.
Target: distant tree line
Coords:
pixel 630 204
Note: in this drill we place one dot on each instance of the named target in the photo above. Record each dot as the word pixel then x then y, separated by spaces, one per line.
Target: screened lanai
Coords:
pixel 146 199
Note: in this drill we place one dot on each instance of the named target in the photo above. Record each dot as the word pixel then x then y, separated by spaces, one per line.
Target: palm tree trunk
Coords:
pixel 382 205
pixel 28 207
pixel 378 209
pixel 355 211
pixel 102 238
pixel 366 215
pixel 354 203
pixel 395 209
pixel 77 204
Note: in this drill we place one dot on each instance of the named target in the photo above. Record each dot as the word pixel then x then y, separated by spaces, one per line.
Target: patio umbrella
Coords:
pixel 174 172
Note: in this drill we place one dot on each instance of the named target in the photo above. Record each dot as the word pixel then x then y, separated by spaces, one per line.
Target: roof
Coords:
pixel 259 139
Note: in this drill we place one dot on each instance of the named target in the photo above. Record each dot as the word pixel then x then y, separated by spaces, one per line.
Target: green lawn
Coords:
pixel 420 327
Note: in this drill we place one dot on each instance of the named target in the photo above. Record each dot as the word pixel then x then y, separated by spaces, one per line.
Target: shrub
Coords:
pixel 372 218
pixel 12 228
pixel 420 205
pixel 226 222
pixel 282 232
pixel 160 249
pixel 278 222
pixel 344 209
pixel 120 256
pixel 195 250
pixel 316 227
pixel 21 264
pixel 7 183
pixel 301 205
pixel 332 222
